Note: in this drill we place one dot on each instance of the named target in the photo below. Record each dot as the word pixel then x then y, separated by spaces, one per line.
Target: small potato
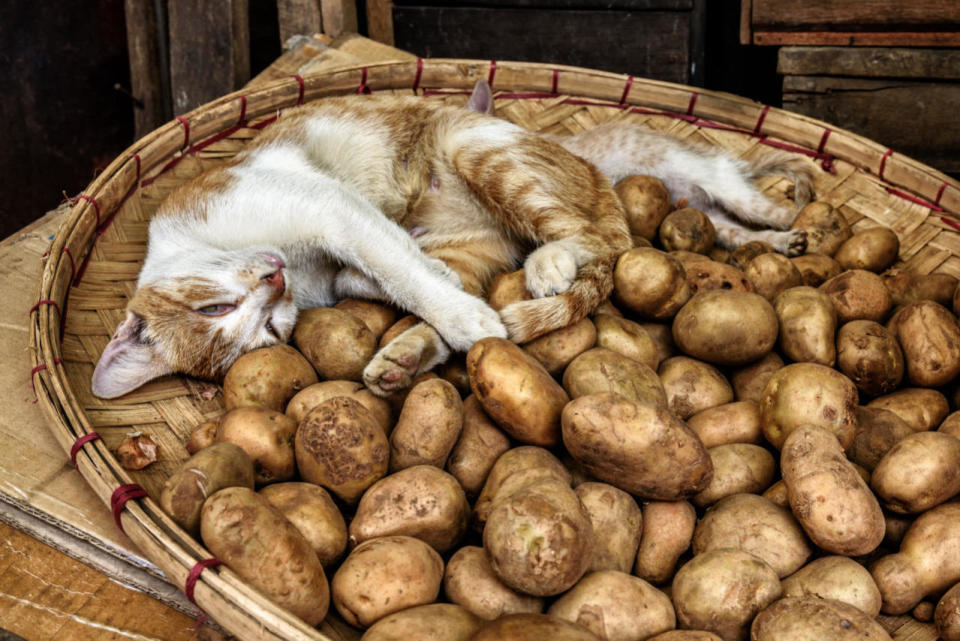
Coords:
pixel 737 468
pixel 480 444
pixel 312 511
pixel 877 431
pixel 202 436
pixel 209 470
pixel 858 295
pixel 375 316
pixel 871 356
pixel 748 381
pixel 617 524
pixel 816 269
pixel 808 325
pixel 516 391
pixel 829 498
pixel 470 582
pixel 267 377
pixel 396 329
pixel 918 472
pixel 826 228
pixel 685 635
pixel 309 397
pixel 435 621
pixel 705 276
pixel 556 349
pixel 533 627
pixel 454 371
pixel 603 370
pixel 267 437
pixel 726 327
pixel 743 254
pixel 421 501
pixel 871 249
pixel 757 525
pixel 428 427
pixel 951 425
pixel 646 202
pixel 616 606
pixel 340 446
pixel 778 494
pixel 515 469
pixel 627 338
pixel 242 529
pixel 662 335
pixel 946 617
pixel 722 590
pixel 688 257
pixel 807 393
pixel 606 307
pixel 811 618
pixel 771 274
pixel 338 344
pixel 737 422
pixel 836 577
pixel 921 409
pixel 506 288
pixel 667 534
pixel 906 288
pixel 385 575
pixel 692 386
pixel 641 448
pixel 688 229
pixel 650 283
pixel 930 337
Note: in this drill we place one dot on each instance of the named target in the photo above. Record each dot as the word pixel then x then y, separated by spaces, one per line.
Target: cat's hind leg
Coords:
pixel 415 351
pixel 731 234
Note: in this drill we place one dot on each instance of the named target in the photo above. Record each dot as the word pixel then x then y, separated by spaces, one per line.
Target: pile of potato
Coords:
pixel 735 445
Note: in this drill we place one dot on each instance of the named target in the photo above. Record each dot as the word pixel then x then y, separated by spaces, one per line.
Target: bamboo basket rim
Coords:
pixel 236 606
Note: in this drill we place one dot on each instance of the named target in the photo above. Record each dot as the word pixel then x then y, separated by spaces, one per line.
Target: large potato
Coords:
pixel 826 228
pixel 748 381
pixel 906 288
pixel 516 391
pixel 693 386
pixel 506 288
pixel 650 283
pixel 533 627
pixel 470 582
pixel 337 343
pixel 309 397
pixel 255 540
pixel 556 349
pixel 737 422
pixel 871 356
pixel 810 618
pixel 646 201
pixel 836 577
pixel 918 472
pixel 639 447
pixel 312 511
pixel 920 408
pixel 857 294
pixel 266 436
pixel 708 275
pixel 829 498
pixel 808 325
pixel 480 444
pixel 428 427
pixel 617 524
pixel 771 274
pixel 667 533
pixel 726 327
pixel 515 469
pixel 377 317
pixel 603 370
pixel 930 337
pixel 627 338
pixel 434 621
pixel 737 468
pixel 872 249
pixel 267 377
pixel 877 431
pixel 816 269
pixel 687 229
pixel 616 606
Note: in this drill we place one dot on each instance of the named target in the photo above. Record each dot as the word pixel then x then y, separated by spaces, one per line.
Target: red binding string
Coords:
pixel 626 90
pixel 493 72
pixel 44 302
pixel 191 583
pixel 73 265
pixel 40 368
pixel 303 88
pixel 90 199
pixel 416 78
pixel 186 130
pixel 883 162
pixel 914 199
pixel 556 80
pixel 827 160
pixel 242 120
pixel 952 223
pixel 693 103
pixel 119 498
pixel 363 88
pixel 78 445
pixel 940 191
pixel 763 116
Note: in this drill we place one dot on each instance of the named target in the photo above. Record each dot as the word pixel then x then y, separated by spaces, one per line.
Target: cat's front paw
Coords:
pixel 789 243
pixel 463 322
pixel 393 367
pixel 550 270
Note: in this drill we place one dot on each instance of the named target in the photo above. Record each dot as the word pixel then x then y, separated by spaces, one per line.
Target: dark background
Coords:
pixel 66 113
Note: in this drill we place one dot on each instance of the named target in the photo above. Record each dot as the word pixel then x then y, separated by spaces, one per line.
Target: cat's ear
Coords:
pixel 127 361
pixel 481 100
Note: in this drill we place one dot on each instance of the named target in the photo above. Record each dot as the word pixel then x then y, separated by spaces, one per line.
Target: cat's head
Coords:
pixel 197 319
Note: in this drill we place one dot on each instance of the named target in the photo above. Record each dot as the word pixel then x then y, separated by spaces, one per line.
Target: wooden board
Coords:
pixel 870 62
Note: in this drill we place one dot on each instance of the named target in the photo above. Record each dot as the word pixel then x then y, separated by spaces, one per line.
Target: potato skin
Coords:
pixel 435 621
pixel 920 408
pixel 877 431
pixel 826 228
pixel 556 349
pixel 858 295
pixel 247 533
pixel 930 337
pixel 770 274
pixel 687 229
pixel 512 471
pixel 871 356
pixel 816 269
pixel 811 618
pixel 650 283
pixel 693 386
pixel 737 468
pixel 748 381
pixel 428 426
pixel 685 635
pixel 267 437
pixel 808 325
pixel 667 533
pixel 836 577
pixel 646 201
pixel 726 327
pixel 377 317
pixel 617 524
pixel 871 249
pixel 533 627
pixel 737 422
pixel 311 396
pixel 470 582
pixel 908 288
pixel 627 338
pixel 268 377
pixel 603 370
pixel 918 472
pixel 312 511
pixel 481 442
pixel 709 275
pixel 947 615
pixel 337 343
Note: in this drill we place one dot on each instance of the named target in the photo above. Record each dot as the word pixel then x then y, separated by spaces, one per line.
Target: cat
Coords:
pixel 234 253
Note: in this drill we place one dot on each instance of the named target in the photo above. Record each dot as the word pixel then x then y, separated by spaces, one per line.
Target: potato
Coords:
pixel 428 427
pixel 692 386
pixel 748 381
pixel 338 344
pixel 268 377
pixel 708 275
pixel 641 448
pixel 811 618
pixel 454 371
pixel 947 615
pixel 312 511
pixel 397 328
pixel 737 468
pixel 309 397
pixel 203 435
pixel 771 274
pixel 826 228
pixel 420 501
pixel 662 335
pixel 816 269
pixel 951 425
pixel 918 472
pixel 930 337
pixel 688 229
pixel 556 349
pixel 858 295
pixel 470 582
pixel 835 577
pixel 266 436
pixel 480 444
pixel 906 288
pixel 871 356
pixel 627 338
pixel 877 431
pixel 808 325
pixel 617 524
pixel 515 469
pixel 435 621
pixel 376 316
pixel 385 575
pixel 757 525
pixel 726 327
pixel 533 627
pixel 921 409
pixel 807 393
pixel 516 391
pixel 685 635
pixel 778 494
pixel 209 470
pixel 539 540
pixel 667 533
pixel 606 307
pixel 340 446
pixel 646 201
pixel 616 606
pixel 506 288
pixel 650 283
pixel 872 249
pixel 827 495
pixel 928 561
pixel 722 590
pixel 242 529
pixel 737 422
pixel 603 370
pixel 743 254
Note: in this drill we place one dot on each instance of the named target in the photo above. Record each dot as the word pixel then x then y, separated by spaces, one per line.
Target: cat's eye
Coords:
pixel 216 310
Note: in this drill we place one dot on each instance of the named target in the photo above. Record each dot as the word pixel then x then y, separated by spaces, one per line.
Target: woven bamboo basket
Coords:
pixel 91 269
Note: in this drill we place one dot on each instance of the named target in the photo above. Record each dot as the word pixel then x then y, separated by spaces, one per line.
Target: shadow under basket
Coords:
pixel 94 259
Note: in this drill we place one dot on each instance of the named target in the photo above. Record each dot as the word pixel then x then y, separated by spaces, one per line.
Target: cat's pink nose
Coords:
pixel 273 258
pixel 276 279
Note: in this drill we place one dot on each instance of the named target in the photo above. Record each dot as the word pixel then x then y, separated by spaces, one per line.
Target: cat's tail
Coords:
pixel 781 163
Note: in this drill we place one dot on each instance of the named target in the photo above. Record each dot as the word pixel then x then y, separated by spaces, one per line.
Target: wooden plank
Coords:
pixel 628 5
pixel 380 20
pixel 870 62
pixel 209 50
pixel 746 25
pixel 824 15
pixel 339 16
pixel 298 18
pixel 148 82
pixel 858 39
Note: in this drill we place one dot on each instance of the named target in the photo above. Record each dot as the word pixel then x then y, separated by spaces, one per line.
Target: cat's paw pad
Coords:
pixel 550 270
pixel 797 242
pixel 462 323
pixel 393 368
